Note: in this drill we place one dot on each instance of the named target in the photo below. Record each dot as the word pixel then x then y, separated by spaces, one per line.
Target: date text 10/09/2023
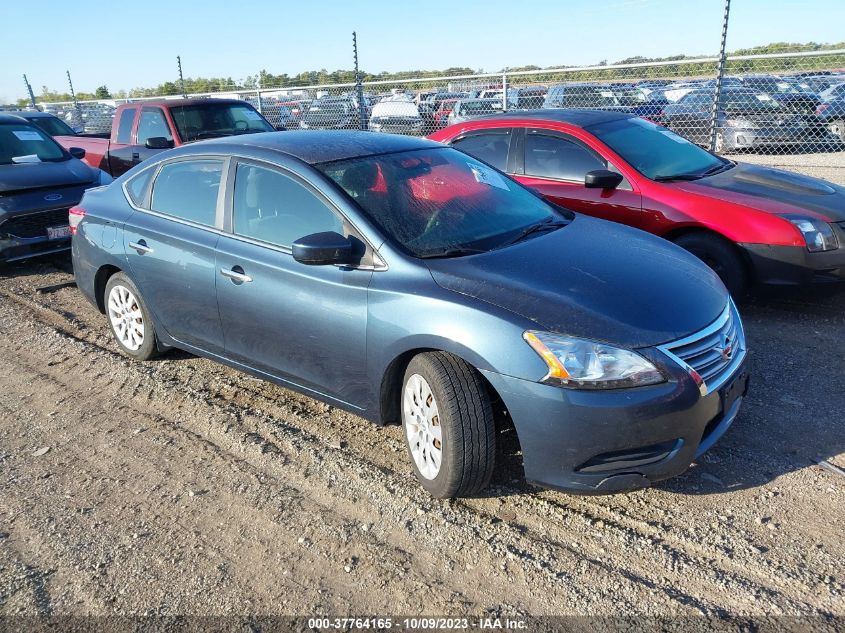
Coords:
pixel 423 623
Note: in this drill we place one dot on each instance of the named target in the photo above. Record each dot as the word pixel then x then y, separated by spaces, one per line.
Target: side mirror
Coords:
pixel 321 249
pixel 76 152
pixel 158 142
pixel 602 179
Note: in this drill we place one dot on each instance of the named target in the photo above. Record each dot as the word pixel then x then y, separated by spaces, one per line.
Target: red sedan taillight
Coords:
pixel 74 216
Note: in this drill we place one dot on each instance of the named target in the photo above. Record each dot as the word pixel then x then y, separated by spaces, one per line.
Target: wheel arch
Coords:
pixel 101 278
pixel 674 234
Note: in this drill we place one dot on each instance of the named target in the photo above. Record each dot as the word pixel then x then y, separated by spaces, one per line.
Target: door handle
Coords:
pixel 236 274
pixel 141 247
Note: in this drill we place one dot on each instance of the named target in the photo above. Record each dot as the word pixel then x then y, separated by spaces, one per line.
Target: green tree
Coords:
pixel 102 93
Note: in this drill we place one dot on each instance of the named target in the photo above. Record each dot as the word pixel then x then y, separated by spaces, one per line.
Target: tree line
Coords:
pixel 265 79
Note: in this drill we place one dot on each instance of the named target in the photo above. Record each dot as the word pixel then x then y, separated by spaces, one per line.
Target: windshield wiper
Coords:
pixel 549 224
pixel 718 169
pixel 453 252
pixel 670 178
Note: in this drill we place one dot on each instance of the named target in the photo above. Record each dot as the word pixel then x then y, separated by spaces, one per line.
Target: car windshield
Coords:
pixel 210 120
pixel 654 151
pixel 54 126
pixel 441 202
pixel 475 108
pixel 25 143
pixel 747 101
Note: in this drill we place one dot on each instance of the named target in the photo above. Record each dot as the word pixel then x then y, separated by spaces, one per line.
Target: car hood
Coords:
pixel 774 191
pixel 593 279
pixel 48 175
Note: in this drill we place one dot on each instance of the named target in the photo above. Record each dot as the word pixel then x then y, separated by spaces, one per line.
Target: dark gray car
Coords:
pixel 39 182
pixel 406 281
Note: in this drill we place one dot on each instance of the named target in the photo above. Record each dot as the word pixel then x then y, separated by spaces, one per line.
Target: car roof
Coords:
pixel 183 102
pixel 32 114
pixel 323 146
pixel 579 117
pixel 11 117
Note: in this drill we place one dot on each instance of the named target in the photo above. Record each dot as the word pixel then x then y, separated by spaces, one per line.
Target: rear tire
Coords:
pixel 449 426
pixel 721 256
pixel 129 318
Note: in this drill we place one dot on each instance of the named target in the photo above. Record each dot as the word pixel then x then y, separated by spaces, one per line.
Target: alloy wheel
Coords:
pixel 422 426
pixel 126 318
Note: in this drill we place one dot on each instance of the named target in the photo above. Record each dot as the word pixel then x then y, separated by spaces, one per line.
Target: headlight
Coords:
pixel 582 364
pixel 818 234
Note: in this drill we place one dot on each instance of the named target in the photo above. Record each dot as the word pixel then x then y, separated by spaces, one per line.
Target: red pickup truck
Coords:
pixel 140 130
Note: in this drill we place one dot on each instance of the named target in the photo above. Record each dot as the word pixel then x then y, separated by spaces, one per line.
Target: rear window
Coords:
pixel 212 120
pixel 124 128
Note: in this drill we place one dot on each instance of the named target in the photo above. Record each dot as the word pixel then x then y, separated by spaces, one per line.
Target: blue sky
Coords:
pixel 131 44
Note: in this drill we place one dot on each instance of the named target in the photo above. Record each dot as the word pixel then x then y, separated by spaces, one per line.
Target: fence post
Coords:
pixel 76 108
pixel 504 91
pixel 714 113
pixel 359 86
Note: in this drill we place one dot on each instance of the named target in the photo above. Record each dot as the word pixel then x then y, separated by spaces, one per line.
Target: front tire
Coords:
pixel 721 256
pixel 448 422
pixel 129 318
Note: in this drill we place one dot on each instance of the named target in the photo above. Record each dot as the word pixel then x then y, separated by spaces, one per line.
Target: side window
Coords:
pixel 124 127
pixel 152 124
pixel 137 186
pixel 274 208
pixel 552 157
pixel 188 190
pixel 491 148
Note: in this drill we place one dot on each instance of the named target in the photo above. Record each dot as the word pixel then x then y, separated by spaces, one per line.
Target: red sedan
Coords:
pixel 749 223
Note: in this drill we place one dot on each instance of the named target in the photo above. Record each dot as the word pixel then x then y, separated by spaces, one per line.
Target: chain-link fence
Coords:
pixel 791 102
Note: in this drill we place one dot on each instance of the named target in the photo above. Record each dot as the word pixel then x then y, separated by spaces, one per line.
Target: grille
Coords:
pixel 34 224
pixel 714 352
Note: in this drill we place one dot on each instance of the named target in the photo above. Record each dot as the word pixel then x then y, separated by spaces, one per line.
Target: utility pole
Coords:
pixel 714 114
pixel 359 86
pixel 29 90
pixel 181 78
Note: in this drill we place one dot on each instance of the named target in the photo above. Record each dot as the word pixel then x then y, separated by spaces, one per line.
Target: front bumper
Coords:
pixel 795 265
pixel 599 442
pixel 756 138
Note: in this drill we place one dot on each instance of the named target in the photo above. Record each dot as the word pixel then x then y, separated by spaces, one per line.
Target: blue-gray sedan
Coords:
pixel 403 280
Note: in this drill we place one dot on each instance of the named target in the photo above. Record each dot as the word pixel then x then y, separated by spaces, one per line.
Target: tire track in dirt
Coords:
pixel 211 396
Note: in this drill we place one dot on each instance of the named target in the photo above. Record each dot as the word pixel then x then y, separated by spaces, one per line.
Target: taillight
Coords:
pixel 74 217
pixel 822 107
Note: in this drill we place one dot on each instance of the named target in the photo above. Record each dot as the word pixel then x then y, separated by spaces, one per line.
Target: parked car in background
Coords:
pixel 431 105
pixel 466 109
pixel 331 113
pixel 141 130
pixel 39 182
pixel 751 224
pixel 441 116
pixel 531 97
pixel 676 91
pixel 785 91
pixel 297 108
pixel 405 281
pixel 581 96
pixel 747 119
pixel 396 116
pixel 91 118
pixel 832 115
pixel 834 91
pixel 647 104
pixel 47 122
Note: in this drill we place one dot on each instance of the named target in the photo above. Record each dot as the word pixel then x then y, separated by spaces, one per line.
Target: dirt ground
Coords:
pixel 179 486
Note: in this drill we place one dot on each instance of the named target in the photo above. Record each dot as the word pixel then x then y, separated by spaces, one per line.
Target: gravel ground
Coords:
pixel 179 486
